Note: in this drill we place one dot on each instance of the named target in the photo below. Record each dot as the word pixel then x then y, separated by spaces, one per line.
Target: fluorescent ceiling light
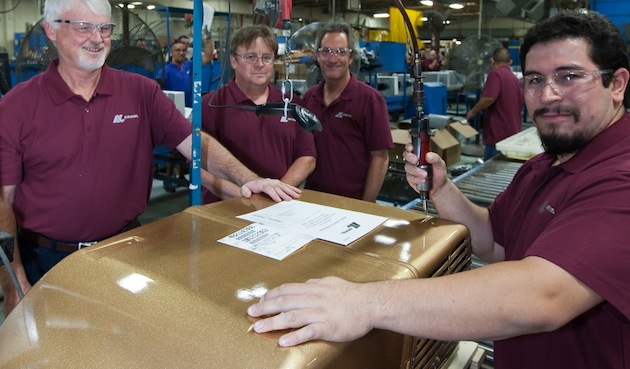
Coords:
pixel 426 2
pixel 150 7
pixel 456 6
pixel 424 19
pixel 137 3
pixel 381 15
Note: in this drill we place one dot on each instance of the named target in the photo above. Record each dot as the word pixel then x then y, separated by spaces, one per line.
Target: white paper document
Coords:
pixel 319 221
pixel 265 240
pixel 280 229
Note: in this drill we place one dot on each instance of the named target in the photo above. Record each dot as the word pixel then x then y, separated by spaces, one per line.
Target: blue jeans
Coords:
pixel 490 152
pixel 38 260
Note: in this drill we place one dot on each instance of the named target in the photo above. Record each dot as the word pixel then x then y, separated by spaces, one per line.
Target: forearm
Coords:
pixel 220 162
pixel 220 187
pixel 7 224
pixel 451 204
pixel 375 175
pixel 495 302
pixel 299 170
pixel 483 104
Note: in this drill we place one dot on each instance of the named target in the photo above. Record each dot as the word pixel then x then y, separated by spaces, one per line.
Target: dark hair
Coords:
pixel 606 47
pixel 247 35
pixel 339 27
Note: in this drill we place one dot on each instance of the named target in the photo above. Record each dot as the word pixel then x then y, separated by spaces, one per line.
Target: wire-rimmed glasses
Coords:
pixel 253 58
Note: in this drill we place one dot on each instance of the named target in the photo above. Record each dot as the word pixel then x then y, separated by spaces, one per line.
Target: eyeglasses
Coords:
pixel 253 58
pixel 88 29
pixel 327 53
pixel 561 82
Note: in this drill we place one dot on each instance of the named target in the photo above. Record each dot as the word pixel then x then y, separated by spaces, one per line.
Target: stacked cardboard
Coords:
pixel 446 142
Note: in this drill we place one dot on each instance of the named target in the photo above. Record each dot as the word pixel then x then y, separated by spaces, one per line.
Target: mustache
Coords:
pixel 560 109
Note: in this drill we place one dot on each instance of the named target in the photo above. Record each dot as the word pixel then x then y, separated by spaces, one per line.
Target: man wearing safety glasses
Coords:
pixel 76 146
pixel 272 146
pixel 555 293
pixel 352 149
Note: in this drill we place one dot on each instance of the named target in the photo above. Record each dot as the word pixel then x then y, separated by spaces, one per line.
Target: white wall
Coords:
pixel 25 15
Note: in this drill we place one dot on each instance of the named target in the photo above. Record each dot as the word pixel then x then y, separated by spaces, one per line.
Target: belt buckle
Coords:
pixel 85 244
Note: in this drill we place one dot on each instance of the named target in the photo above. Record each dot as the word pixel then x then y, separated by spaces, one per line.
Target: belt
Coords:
pixel 49 243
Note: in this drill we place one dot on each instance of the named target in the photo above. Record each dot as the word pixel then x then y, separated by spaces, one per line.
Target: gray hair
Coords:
pixel 53 9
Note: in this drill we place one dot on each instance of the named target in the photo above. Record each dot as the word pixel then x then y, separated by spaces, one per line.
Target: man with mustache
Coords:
pixel 555 292
pixel 502 101
pixel 352 148
pixel 76 147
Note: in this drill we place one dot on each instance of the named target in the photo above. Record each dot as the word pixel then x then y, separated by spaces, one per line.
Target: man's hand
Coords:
pixel 11 297
pixel 330 309
pixel 417 176
pixel 277 190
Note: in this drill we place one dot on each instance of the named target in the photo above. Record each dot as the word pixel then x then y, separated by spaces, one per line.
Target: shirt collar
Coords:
pixel 348 92
pixel 240 99
pixel 60 91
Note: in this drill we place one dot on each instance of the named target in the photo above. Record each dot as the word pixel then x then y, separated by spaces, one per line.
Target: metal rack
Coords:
pixel 481 184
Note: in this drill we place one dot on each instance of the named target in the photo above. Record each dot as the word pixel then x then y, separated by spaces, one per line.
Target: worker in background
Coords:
pixel 432 63
pixel 352 148
pixel 556 292
pixel 77 166
pixel 502 101
pixel 178 74
pixel 272 146
pixel 184 40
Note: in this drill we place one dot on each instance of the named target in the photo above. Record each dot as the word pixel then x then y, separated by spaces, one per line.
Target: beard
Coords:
pixel 90 63
pixel 552 141
pixel 555 144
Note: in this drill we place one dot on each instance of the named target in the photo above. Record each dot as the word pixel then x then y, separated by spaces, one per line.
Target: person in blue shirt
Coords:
pixel 178 74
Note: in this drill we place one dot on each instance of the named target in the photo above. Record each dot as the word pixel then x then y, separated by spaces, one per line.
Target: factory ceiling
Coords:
pixel 471 10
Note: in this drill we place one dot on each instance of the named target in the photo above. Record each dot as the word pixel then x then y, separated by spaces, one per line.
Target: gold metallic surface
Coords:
pixel 168 295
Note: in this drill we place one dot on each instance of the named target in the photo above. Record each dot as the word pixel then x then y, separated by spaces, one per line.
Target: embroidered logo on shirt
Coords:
pixel 284 119
pixel 121 118
pixel 342 114
pixel 546 207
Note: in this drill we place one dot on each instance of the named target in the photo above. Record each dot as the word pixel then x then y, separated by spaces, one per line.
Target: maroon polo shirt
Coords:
pixel 268 145
pixel 576 216
pixel 503 118
pixel 83 169
pixel 356 123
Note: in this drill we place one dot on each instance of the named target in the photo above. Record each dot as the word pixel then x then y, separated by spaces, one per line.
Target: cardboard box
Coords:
pixel 296 71
pixel 443 143
pixel 461 131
